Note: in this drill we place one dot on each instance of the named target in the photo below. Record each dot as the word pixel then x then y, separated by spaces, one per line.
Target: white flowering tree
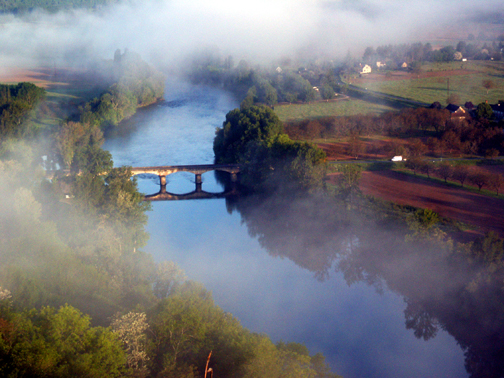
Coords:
pixel 130 329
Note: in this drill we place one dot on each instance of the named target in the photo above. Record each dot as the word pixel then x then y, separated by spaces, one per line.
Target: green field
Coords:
pixel 467 87
pixel 326 109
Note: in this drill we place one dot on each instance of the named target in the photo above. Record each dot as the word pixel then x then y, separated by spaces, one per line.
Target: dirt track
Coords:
pixel 483 211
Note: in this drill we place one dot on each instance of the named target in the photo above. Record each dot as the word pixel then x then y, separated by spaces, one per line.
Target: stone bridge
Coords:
pixel 198 170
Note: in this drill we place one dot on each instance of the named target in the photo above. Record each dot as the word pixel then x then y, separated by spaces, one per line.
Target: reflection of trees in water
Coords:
pixel 457 288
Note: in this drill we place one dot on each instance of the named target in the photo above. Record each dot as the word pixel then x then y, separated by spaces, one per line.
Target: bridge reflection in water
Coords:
pixel 197 170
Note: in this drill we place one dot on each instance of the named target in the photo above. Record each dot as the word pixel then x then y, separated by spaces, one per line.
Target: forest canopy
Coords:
pixel 51 5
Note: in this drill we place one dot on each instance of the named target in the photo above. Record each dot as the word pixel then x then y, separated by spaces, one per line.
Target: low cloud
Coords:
pixel 165 31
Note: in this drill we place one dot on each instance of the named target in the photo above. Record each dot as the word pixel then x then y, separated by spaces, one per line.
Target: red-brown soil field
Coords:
pixel 338 150
pixel 485 212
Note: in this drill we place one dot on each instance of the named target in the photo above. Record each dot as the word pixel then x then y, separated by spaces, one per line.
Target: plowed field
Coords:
pixel 487 213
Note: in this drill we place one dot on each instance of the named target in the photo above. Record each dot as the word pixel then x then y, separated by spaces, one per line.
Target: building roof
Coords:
pixel 497 107
pixel 454 108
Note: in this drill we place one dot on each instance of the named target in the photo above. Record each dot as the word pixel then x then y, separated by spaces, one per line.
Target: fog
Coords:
pixel 164 31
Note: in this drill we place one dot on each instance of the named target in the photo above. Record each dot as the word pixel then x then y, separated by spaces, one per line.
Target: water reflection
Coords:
pixel 437 281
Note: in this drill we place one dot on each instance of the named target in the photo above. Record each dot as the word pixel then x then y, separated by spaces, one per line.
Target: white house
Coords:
pixel 366 69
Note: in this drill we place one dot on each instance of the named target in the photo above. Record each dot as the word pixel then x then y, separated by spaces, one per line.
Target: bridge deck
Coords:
pixel 196 169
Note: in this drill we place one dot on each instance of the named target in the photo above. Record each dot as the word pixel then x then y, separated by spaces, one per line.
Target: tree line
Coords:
pixel 20 6
pixel 417 52
pixel 460 173
pixel 430 131
pixel 134 84
pixel 260 85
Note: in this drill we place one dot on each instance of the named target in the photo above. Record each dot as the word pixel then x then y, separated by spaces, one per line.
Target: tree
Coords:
pixel 417 148
pixel 67 139
pixel 491 153
pixel 168 278
pixel 368 55
pixel 349 181
pixel 350 175
pixel 266 93
pixel 414 164
pixel 355 146
pixel 57 343
pixel 416 67
pixel 241 127
pixel 484 111
pixel 460 173
pixel 327 92
pixel 480 179
pixel 488 84
pixel 295 361
pixel 426 167
pixel 445 170
pixel 249 99
pixel 131 331
pixel 496 182
pixel 451 140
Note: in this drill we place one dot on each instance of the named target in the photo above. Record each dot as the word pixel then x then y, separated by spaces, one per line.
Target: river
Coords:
pixel 361 331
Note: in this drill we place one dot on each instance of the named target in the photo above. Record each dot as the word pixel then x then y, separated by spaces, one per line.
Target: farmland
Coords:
pixel 483 211
pixel 463 78
pixel 323 109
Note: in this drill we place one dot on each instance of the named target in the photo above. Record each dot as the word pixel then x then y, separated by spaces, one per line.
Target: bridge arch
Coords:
pixel 197 170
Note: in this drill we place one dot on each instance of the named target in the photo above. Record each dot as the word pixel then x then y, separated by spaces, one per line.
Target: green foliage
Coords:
pixel 327 92
pixel 53 253
pixel 350 175
pixel 241 127
pixel 295 84
pixel 57 343
pixel 16 104
pixel 187 325
pixel 135 84
pixel 484 111
pixel 252 137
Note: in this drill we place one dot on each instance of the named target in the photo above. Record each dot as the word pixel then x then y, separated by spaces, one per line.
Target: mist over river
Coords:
pixel 361 332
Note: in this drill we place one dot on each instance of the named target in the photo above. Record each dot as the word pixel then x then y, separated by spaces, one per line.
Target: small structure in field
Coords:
pixel 366 69
pixel 456 111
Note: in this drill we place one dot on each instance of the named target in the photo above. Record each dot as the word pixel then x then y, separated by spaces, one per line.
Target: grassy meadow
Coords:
pixel 467 87
pixel 326 109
